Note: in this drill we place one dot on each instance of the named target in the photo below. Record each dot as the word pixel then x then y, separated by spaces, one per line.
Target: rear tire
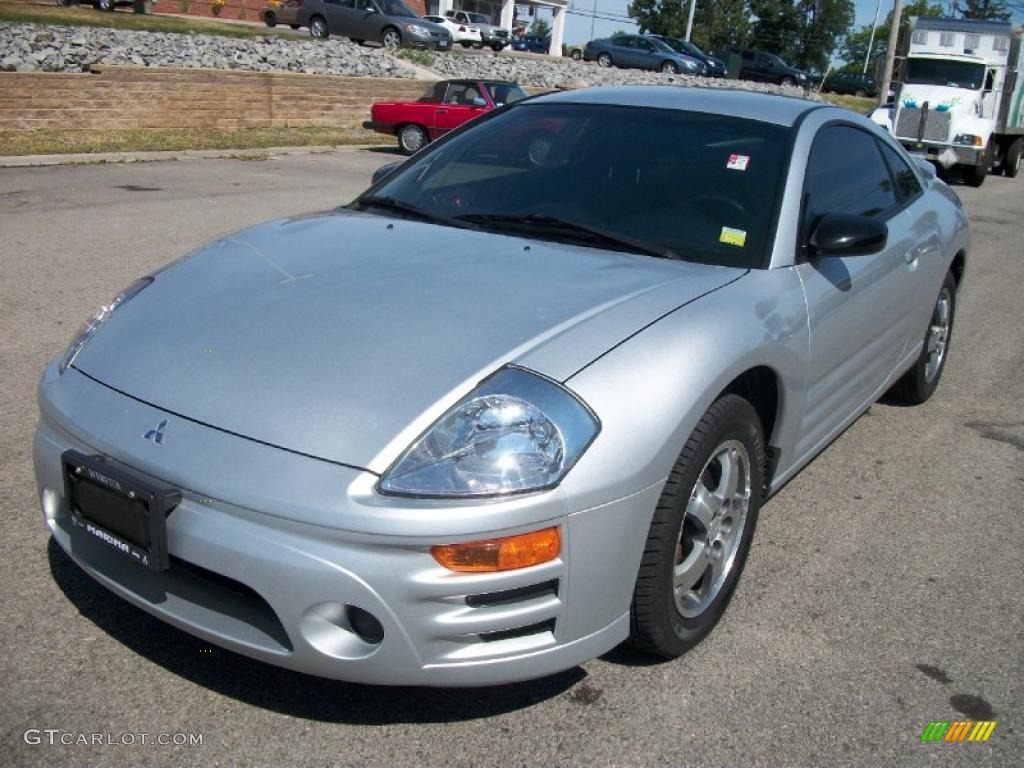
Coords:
pixel 294 26
pixel 412 138
pixel 1011 160
pixel 105 5
pixel 920 382
pixel 860 93
pixel 497 47
pixel 604 60
pixel 270 19
pixel 701 531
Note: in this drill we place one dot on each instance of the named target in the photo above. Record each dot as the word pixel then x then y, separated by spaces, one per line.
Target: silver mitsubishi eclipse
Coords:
pixel 519 402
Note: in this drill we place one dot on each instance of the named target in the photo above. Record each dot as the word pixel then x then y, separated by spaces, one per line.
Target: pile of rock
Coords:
pixel 555 73
pixel 33 47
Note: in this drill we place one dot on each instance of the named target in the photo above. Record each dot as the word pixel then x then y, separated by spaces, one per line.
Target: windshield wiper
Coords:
pixel 552 225
pixel 394 204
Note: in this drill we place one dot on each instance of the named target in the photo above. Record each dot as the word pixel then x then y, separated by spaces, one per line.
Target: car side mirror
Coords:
pixel 384 170
pixel 479 102
pixel 845 234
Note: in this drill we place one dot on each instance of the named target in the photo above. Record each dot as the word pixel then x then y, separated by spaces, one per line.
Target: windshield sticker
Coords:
pixel 738 162
pixel 733 236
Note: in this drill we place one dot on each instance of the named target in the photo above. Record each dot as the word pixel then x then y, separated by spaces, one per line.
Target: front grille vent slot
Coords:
pixel 508 634
pixel 517 595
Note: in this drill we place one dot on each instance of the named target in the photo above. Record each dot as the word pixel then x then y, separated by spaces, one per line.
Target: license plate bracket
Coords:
pixel 124 511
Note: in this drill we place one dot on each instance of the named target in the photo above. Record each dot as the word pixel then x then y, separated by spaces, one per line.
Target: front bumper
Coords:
pixel 269 547
pixel 430 42
pixel 964 155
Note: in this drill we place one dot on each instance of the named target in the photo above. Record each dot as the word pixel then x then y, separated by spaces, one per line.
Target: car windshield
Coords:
pixel 954 74
pixel 691 48
pixel 689 185
pixel 772 58
pixel 477 18
pixel 661 45
pixel 505 93
pixel 397 8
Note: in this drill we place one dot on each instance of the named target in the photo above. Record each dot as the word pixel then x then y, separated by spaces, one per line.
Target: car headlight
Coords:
pixel 416 29
pixel 98 318
pixel 517 431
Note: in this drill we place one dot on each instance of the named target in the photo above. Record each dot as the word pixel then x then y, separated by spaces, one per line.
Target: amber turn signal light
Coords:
pixel 505 554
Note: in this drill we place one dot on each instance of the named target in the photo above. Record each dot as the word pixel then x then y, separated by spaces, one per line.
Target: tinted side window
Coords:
pixel 906 182
pixel 846 174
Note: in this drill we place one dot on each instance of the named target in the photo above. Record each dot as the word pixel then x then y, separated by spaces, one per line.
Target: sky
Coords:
pixel 578 22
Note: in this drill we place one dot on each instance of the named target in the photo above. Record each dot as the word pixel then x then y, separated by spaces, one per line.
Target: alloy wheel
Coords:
pixel 712 529
pixel 938 334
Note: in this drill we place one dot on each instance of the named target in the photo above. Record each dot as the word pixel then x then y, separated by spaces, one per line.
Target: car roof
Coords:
pixel 769 108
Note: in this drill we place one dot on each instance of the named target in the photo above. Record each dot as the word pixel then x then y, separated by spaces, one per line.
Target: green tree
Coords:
pixel 540 28
pixel 715 22
pixel 991 10
pixel 803 32
pixel 855 46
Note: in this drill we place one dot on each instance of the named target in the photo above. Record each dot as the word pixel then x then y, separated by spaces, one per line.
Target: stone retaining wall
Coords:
pixel 141 97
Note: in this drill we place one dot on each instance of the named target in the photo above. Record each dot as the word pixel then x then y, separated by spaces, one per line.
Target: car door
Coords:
pixel 645 54
pixel 857 305
pixel 341 17
pixel 458 107
pixel 747 69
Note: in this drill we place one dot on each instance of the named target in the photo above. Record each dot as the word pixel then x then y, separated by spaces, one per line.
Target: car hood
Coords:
pixel 342 335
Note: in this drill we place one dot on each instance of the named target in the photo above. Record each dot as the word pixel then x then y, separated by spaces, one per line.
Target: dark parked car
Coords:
pixel 390 22
pixel 532 44
pixel 715 67
pixel 853 83
pixel 767 67
pixel 640 52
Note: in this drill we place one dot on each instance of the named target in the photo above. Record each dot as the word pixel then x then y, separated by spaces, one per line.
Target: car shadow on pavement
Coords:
pixel 280 690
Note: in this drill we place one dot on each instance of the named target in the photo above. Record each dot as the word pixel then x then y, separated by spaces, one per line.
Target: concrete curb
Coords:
pixel 87 158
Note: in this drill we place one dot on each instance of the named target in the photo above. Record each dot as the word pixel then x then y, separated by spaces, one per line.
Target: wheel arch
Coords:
pixel 958 267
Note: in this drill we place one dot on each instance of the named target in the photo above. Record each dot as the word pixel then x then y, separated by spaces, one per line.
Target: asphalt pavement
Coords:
pixel 883 589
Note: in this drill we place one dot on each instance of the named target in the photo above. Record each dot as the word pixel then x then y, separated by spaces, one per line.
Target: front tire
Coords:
pixel 576 55
pixel 318 28
pixel 391 38
pixel 412 138
pixel 787 81
pixel 701 531
pixel 669 68
pixel 105 5
pixel 270 19
pixel 920 382
pixel 604 60
pixel 975 175
pixel 497 47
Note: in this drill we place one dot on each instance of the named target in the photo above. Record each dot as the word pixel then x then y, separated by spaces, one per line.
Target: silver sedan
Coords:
pixel 519 402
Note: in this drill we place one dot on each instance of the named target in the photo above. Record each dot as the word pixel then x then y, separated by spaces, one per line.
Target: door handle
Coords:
pixel 442 111
pixel 915 253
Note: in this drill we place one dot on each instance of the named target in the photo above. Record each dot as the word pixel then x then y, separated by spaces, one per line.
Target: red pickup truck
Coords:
pixel 447 105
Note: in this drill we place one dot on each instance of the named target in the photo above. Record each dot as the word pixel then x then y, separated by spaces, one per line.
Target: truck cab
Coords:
pixel 959 100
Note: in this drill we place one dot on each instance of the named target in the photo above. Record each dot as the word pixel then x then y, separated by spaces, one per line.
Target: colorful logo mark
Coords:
pixel 958 730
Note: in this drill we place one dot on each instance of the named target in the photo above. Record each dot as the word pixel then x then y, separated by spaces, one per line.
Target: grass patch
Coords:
pixel 47 141
pixel 87 16
pixel 417 56
pixel 860 104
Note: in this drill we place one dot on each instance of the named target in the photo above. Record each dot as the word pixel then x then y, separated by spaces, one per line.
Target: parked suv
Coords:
pixel 641 52
pixel 850 82
pixel 767 67
pixel 390 22
pixel 494 36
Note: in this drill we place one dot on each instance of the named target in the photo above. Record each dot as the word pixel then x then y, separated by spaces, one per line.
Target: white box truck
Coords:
pixel 960 99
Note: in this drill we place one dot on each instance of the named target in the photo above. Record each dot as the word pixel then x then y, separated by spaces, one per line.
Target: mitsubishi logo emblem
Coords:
pixel 156 435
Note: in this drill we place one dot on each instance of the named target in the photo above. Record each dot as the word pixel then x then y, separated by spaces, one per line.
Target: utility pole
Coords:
pixel 871 40
pixel 890 55
pixel 689 21
pixel 593 18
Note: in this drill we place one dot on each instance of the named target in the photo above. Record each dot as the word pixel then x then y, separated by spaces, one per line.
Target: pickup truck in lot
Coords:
pixel 445 106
